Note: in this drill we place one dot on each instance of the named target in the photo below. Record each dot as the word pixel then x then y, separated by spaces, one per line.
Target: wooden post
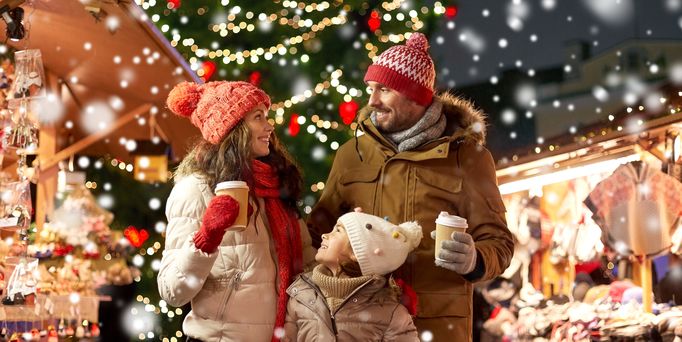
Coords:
pixel 47 181
pixel 645 275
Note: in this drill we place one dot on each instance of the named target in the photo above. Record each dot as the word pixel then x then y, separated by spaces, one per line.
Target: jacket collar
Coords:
pixel 464 122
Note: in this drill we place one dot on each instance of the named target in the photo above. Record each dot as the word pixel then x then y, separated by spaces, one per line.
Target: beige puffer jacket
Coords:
pixel 232 291
pixel 370 313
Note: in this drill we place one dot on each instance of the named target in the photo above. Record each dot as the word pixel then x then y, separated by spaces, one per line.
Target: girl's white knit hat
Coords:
pixel 379 245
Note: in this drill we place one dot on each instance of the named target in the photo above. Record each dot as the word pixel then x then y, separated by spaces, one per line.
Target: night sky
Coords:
pixel 603 23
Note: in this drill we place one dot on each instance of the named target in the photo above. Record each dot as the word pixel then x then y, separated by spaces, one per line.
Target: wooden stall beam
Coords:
pixel 84 143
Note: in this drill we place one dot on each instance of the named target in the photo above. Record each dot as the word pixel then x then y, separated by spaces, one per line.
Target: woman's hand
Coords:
pixel 220 214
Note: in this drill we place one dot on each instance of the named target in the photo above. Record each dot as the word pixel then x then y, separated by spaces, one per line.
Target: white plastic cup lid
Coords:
pixel 231 185
pixel 451 220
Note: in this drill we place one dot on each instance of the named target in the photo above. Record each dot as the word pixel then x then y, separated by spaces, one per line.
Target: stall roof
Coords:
pixel 117 53
pixel 640 130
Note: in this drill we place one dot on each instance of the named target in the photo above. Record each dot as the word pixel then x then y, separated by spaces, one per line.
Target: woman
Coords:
pixel 235 280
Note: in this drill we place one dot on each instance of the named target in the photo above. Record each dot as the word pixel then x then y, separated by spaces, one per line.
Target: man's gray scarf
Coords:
pixel 431 126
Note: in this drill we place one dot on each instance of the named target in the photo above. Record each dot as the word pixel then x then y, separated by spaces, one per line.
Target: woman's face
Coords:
pixel 335 249
pixel 260 129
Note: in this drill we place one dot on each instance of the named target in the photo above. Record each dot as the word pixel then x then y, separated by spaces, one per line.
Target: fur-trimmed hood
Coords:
pixel 464 120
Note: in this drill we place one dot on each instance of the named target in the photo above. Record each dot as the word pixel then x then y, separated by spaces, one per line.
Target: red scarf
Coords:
pixel 285 232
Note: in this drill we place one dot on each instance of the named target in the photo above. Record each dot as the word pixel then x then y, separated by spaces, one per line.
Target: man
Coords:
pixel 419 155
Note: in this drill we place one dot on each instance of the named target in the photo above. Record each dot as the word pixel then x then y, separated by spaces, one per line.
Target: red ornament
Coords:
pixel 255 78
pixel 374 22
pixel 348 110
pixel 451 11
pixel 209 69
pixel 173 4
pixel 136 237
pixel 294 127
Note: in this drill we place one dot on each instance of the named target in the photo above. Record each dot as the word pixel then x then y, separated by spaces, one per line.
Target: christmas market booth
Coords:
pixel 595 218
pixel 78 78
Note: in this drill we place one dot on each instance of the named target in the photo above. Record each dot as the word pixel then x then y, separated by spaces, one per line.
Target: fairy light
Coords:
pixel 281 48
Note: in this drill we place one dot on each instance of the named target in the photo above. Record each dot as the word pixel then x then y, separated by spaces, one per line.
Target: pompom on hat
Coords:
pixel 215 107
pixel 407 69
pixel 379 245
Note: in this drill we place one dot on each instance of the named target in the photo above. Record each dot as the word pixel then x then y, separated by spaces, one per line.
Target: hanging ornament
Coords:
pixel 348 110
pixel 255 78
pixel 374 22
pixel 208 69
pixel 135 236
pixel 451 11
pixel 173 4
pixel 294 127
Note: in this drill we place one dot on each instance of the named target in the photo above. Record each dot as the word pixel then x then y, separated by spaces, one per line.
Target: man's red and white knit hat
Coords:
pixel 407 69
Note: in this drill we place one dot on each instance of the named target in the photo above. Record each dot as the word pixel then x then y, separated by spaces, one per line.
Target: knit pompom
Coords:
pixel 183 99
pixel 418 41
pixel 413 233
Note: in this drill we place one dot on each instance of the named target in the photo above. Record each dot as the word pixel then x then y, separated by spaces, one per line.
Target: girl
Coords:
pixel 346 296
pixel 222 272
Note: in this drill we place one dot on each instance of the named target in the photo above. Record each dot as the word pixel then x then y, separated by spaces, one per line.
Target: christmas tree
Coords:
pixel 309 57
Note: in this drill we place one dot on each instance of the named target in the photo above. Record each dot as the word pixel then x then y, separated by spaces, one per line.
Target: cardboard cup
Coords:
pixel 447 224
pixel 240 192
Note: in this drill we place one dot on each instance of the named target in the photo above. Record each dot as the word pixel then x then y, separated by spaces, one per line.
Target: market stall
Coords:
pixel 87 78
pixel 589 216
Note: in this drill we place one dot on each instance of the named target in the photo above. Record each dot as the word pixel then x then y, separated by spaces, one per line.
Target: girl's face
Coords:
pixel 260 129
pixel 335 249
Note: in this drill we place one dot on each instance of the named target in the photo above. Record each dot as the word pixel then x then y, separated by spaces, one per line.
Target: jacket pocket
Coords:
pixel 444 305
pixel 495 204
pixel 358 186
pixel 444 182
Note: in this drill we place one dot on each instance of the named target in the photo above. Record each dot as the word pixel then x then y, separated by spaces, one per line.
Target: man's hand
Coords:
pixel 458 254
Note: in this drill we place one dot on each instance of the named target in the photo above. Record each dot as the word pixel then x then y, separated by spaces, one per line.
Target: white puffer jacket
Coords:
pixel 233 291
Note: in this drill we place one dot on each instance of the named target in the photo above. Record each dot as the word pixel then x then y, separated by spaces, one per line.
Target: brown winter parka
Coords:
pixel 454 173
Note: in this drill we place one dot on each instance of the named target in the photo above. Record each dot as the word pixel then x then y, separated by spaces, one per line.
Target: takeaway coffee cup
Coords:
pixel 240 192
pixel 446 224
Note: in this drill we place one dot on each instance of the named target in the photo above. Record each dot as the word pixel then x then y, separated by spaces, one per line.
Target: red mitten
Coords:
pixel 220 214
pixel 408 297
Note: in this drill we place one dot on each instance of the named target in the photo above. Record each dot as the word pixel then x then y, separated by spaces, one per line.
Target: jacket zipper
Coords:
pixel 332 314
pixel 236 279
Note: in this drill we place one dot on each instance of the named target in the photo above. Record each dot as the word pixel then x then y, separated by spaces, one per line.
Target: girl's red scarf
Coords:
pixel 285 232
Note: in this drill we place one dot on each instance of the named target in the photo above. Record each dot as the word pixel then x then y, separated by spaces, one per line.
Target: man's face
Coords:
pixel 394 111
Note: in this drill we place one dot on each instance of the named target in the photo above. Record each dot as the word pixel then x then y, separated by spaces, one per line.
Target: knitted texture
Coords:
pixel 335 289
pixel 220 214
pixel 285 233
pixel 380 246
pixel 215 107
pixel 408 69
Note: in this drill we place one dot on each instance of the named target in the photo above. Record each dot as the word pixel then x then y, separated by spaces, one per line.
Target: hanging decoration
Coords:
pixel 135 236
pixel 255 78
pixel 208 69
pixel 348 110
pixel 173 4
pixel 451 12
pixel 151 161
pixel 374 22
pixel 294 126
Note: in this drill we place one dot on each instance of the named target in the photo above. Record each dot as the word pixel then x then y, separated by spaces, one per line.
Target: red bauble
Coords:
pixel 294 127
pixel 255 78
pixel 348 110
pixel 173 4
pixel 451 11
pixel 374 22
pixel 209 69
pixel 135 236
